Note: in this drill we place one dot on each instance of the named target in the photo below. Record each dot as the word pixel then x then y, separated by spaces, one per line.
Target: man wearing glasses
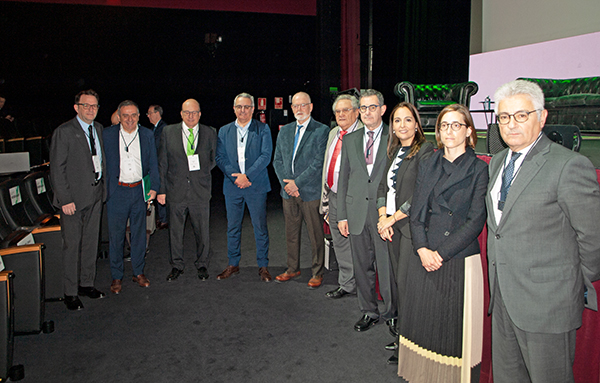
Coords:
pixel 543 247
pixel 130 160
pixel 154 115
pixel 244 149
pixel 298 163
pixel 185 159
pixel 77 169
pixel 346 109
pixel 362 165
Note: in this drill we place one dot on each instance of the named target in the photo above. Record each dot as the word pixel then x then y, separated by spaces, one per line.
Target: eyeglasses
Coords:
pixel 128 116
pixel 90 106
pixel 190 113
pixel 520 116
pixel 245 107
pixel 298 106
pixel 149 113
pixel 444 126
pixel 372 108
pixel 343 111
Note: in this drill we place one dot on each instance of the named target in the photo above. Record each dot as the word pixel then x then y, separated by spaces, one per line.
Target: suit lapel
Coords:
pixel 494 170
pixel 231 142
pixel 380 159
pixel 530 167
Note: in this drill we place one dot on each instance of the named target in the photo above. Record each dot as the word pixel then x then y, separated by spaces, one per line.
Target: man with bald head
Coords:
pixel 298 163
pixel 186 157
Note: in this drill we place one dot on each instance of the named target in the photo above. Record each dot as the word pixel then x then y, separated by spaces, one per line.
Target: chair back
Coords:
pixel 568 136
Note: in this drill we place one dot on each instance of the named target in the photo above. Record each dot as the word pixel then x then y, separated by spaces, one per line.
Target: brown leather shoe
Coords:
pixel 265 276
pixel 141 280
pixel 315 281
pixel 228 272
pixel 287 276
pixel 115 286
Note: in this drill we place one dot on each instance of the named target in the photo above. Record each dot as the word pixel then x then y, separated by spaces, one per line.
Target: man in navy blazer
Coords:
pixel 77 175
pixel 154 114
pixel 244 149
pixel 130 157
pixel 298 163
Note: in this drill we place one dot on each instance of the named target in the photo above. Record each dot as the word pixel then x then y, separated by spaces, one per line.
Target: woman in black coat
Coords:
pixel 441 324
pixel 406 149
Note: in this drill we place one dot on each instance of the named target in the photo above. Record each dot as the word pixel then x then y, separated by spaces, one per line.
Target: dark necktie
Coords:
pixel 369 150
pixel 93 146
pixel 507 178
pixel 296 137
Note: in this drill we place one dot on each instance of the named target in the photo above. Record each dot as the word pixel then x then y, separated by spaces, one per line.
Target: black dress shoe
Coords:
pixel 174 274
pixel 73 302
pixel 365 323
pixel 393 360
pixel 392 324
pixel 392 346
pixel 91 292
pixel 203 273
pixel 337 293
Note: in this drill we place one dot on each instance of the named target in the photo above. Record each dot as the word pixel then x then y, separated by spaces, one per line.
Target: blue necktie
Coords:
pixel 507 178
pixel 296 137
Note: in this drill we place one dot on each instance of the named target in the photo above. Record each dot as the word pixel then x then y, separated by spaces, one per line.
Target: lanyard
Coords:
pixel 130 142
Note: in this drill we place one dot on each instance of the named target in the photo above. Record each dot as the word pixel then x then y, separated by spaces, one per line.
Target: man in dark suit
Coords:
pixel 130 158
pixel 345 108
pixel 362 164
pixel 543 205
pixel 298 163
pixel 244 149
pixel 185 159
pixel 76 173
pixel 154 115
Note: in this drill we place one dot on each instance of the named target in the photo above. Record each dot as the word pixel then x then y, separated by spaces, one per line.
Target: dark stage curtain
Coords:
pixel 350 44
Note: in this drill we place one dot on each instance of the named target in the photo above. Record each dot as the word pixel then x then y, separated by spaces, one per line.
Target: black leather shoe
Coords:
pixel 174 274
pixel 91 292
pixel 337 293
pixel 392 324
pixel 203 273
pixel 73 302
pixel 392 346
pixel 393 360
pixel 365 323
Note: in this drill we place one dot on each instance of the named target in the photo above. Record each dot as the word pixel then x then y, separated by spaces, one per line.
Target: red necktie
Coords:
pixel 336 154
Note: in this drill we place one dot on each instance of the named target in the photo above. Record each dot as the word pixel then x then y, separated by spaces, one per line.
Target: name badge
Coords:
pixel 97 163
pixel 193 163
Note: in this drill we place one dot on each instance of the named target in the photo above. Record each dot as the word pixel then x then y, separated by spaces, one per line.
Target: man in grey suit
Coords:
pixel 298 164
pixel 362 164
pixel 185 159
pixel 76 170
pixel 346 112
pixel 543 206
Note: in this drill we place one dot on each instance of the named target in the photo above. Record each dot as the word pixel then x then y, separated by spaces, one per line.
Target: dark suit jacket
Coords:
pixel 547 244
pixel 158 133
pixel 357 191
pixel 308 163
pixel 175 177
pixel 259 148
pixel 449 218
pixel 111 139
pixel 406 179
pixel 71 166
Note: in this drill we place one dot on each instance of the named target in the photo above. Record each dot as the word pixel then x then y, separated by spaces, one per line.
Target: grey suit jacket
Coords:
pixel 332 134
pixel 308 163
pixel 175 177
pixel 71 166
pixel 357 191
pixel 546 247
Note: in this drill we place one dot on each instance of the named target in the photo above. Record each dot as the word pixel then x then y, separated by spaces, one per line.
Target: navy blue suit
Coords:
pixel 124 202
pixel 259 148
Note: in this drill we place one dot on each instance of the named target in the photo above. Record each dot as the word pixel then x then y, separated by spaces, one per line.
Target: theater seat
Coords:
pixel 6 323
pixel 37 186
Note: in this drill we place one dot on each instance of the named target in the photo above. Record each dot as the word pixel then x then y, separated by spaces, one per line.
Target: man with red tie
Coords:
pixel 345 108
